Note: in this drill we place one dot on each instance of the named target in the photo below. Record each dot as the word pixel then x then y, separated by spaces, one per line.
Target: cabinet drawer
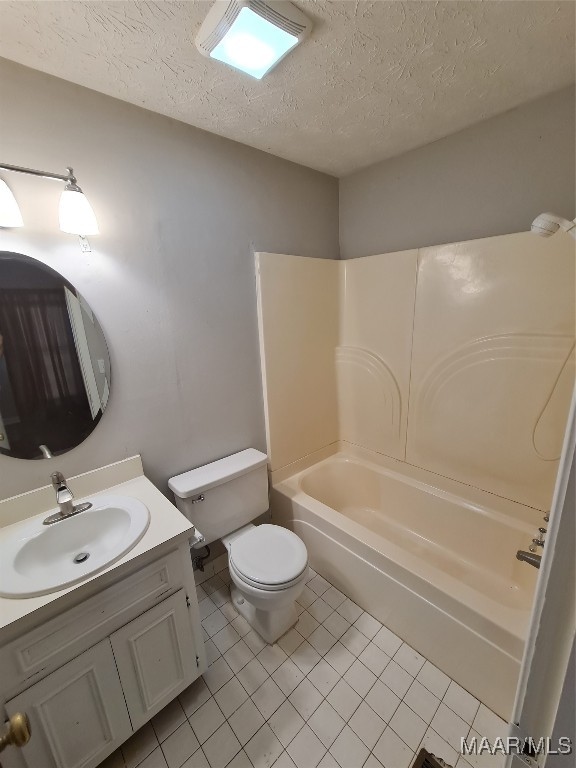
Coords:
pixel 64 637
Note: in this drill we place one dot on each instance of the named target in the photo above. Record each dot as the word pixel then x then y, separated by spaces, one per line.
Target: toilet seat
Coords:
pixel 268 557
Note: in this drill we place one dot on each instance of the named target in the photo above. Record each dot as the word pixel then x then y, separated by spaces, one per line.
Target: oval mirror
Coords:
pixel 54 363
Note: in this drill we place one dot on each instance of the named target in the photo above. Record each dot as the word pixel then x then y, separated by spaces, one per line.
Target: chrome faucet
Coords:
pixel 64 499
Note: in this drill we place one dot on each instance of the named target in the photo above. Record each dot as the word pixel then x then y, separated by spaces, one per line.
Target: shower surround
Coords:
pixel 415 408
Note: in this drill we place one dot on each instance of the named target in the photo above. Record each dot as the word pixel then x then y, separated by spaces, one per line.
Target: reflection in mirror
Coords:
pixel 54 363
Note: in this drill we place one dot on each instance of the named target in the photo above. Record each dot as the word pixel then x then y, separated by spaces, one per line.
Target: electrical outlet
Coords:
pixel 84 244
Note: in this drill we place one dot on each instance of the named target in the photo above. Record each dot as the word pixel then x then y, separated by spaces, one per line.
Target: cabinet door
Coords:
pixel 77 714
pixel 156 657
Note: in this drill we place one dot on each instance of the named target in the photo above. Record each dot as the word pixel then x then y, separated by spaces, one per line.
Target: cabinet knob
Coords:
pixel 18 732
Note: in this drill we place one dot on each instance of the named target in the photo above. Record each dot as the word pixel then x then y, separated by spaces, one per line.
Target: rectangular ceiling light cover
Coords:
pixel 252 35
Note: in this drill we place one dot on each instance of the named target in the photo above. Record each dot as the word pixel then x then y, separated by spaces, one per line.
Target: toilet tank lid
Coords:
pixel 210 475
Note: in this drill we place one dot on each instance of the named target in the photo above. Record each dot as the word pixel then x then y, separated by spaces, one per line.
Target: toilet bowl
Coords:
pixel 268 567
pixel 268 564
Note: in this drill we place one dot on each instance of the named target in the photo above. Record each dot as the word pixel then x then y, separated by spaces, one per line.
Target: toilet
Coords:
pixel 268 564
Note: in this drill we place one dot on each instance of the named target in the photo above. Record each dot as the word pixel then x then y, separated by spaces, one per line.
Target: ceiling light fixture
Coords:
pixel 76 214
pixel 252 35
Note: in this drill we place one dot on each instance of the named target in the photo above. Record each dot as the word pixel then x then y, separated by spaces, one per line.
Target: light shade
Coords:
pixel 76 214
pixel 10 215
pixel 253 44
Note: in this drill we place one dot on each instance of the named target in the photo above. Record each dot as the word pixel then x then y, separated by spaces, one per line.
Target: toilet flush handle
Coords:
pixel 198 499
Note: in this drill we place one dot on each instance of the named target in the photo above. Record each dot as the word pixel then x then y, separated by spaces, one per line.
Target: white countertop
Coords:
pixel 166 523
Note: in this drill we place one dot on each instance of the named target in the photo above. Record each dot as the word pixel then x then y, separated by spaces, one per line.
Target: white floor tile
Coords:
pixel 383 701
pixel 326 723
pixel 284 761
pixel 264 749
pixel 321 640
pixel 271 657
pixel 206 607
pixel 246 721
pixel 488 724
pixel 215 622
pixel 340 658
pixel 305 698
pixel 409 659
pixel 323 677
pixel 305 657
pixel 367 725
pixel 387 641
pixel 217 675
pixel 194 696
pixel 408 725
pixel 368 625
pixel 360 678
pixel 268 698
pixel 252 676
pixel 372 762
pixel 349 610
pixel 483 760
pixel 241 626
pixel 320 610
pixel 348 749
pixel 307 597
pixel 422 701
pixel 198 760
pixel 230 696
pixel 221 595
pixel 212 653
pixel 240 761
pixel 336 624
pixel 319 585
pixel 328 761
pixel 139 746
pixel 434 744
pixel 180 745
pixel 433 679
pixel 306 624
pixel 206 720
pixel 286 723
pixel 229 611
pixel 225 638
pixel 392 752
pixel 306 749
pixel 238 656
pixel 290 641
pixel 461 702
pixel 253 641
pixel 354 641
pixel 344 699
pixel 374 658
pixel 396 678
pixel 287 677
pixel 221 747
pixel 168 719
pixel 333 597
pixel 449 726
pixel 155 760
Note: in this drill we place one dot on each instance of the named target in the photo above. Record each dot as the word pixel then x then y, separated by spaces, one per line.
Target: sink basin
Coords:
pixel 36 559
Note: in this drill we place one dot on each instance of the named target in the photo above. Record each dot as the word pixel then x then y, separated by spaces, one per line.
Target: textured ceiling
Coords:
pixel 375 79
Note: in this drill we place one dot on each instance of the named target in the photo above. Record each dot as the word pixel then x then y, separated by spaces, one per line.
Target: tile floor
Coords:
pixel 337 691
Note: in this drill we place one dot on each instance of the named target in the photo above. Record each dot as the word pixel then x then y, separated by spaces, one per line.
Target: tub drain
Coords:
pixel 81 557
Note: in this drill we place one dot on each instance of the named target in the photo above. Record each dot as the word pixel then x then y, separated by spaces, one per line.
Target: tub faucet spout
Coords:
pixel 529 557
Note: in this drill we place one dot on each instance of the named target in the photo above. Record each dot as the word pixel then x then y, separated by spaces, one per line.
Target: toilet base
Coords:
pixel 270 625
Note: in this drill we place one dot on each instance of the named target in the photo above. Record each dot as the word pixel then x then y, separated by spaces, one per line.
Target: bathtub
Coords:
pixel 432 559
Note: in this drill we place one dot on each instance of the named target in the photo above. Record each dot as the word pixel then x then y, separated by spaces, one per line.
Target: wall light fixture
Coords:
pixel 76 214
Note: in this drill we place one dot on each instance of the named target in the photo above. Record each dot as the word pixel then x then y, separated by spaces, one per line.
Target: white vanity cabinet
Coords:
pixel 92 675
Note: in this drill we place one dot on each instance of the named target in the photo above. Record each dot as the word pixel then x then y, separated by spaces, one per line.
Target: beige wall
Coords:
pixel 458 359
pixel 171 277
pixel 490 179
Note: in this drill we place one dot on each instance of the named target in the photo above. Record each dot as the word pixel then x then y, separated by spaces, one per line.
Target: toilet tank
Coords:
pixel 220 497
